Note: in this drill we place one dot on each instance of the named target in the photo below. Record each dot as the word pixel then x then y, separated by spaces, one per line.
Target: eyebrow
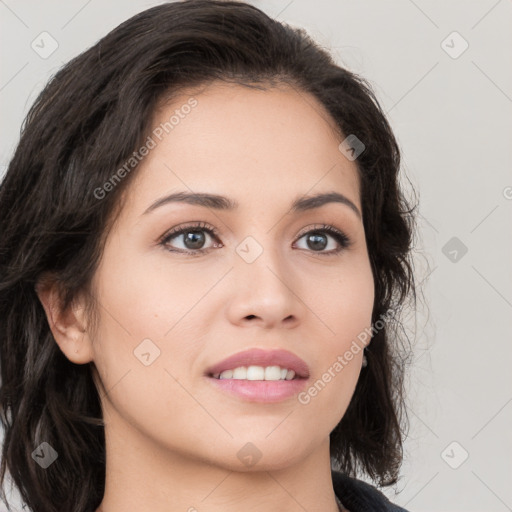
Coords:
pixel 217 202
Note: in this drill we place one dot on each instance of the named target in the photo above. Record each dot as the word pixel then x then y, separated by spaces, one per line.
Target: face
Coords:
pixel 259 275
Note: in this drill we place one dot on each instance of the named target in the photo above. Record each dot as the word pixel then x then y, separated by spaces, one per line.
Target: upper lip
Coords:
pixel 261 357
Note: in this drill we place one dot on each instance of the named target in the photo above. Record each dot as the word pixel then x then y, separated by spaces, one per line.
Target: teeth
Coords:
pixel 226 374
pixel 256 373
pixel 290 375
pixel 240 373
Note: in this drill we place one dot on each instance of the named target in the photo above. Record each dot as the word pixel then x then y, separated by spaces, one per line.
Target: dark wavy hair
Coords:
pixel 89 119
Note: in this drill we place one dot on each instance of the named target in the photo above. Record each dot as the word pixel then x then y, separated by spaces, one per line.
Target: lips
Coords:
pixel 260 357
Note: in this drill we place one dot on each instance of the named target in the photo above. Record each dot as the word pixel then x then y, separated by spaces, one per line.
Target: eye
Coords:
pixel 317 239
pixel 192 236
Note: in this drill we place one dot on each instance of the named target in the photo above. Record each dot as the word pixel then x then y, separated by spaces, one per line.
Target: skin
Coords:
pixel 171 437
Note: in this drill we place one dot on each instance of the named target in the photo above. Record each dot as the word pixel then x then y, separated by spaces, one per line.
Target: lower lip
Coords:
pixel 267 391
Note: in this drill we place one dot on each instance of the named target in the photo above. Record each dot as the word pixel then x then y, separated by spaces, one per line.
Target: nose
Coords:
pixel 264 292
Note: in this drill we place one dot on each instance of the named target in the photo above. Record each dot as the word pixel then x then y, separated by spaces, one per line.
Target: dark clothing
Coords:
pixel 359 496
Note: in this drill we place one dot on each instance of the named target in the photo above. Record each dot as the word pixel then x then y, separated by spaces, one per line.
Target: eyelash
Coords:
pixel 344 241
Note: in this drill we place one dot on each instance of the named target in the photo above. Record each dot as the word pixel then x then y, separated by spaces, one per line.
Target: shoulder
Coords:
pixel 359 496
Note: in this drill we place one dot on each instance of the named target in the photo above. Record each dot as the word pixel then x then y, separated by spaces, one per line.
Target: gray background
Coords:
pixel 451 111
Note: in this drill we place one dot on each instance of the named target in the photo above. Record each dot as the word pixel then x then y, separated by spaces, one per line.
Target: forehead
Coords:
pixel 245 143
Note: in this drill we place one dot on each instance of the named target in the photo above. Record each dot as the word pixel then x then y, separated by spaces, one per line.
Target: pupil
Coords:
pixel 319 241
pixel 196 238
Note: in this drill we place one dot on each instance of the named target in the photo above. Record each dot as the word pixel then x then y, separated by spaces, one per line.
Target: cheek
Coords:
pixel 352 325
pixel 146 331
pixel 345 306
pixel 355 307
pixel 357 289
pixel 342 302
pixel 148 296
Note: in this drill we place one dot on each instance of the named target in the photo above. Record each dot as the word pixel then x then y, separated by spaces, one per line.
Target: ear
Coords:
pixel 68 326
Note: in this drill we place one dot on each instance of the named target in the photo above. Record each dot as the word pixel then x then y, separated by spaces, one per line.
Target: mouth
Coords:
pixel 259 364
pixel 259 375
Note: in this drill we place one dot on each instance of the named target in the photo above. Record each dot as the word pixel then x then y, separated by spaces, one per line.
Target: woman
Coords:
pixel 204 252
